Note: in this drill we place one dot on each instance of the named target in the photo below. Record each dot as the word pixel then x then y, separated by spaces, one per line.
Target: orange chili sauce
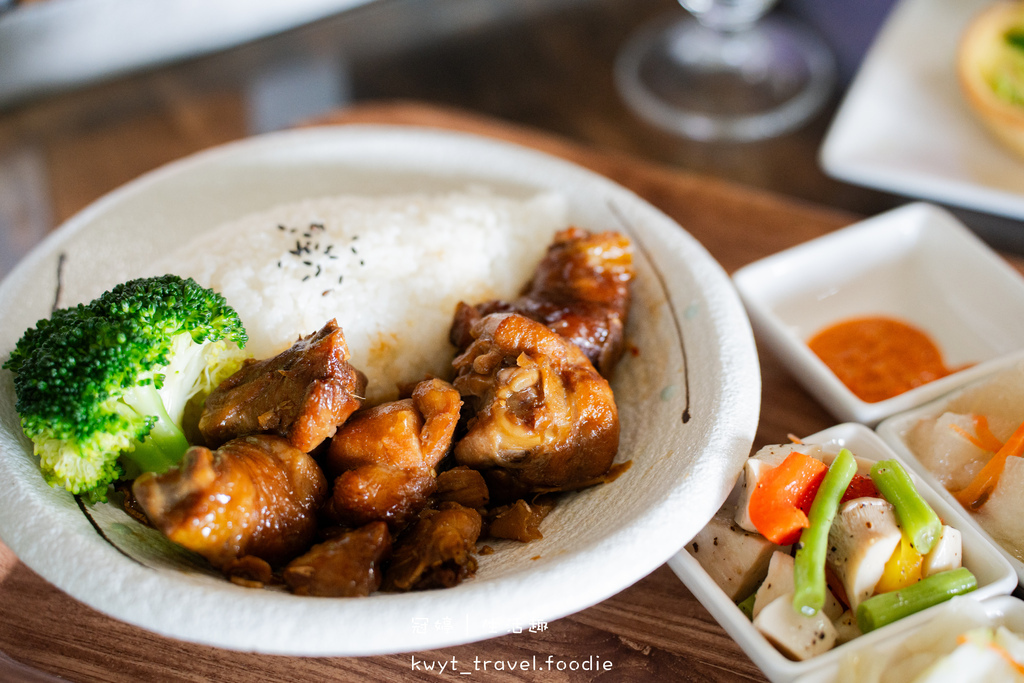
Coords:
pixel 878 358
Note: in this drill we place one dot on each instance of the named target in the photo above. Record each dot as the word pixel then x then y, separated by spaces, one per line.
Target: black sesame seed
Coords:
pixel 362 262
pixel 306 234
pixel 280 227
pixel 317 271
pixel 353 250
pixel 307 263
pixel 328 249
pixel 305 278
pixel 340 278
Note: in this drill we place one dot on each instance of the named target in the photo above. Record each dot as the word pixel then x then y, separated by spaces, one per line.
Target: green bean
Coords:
pixel 747 606
pixel 921 525
pixel 885 608
pixel 809 562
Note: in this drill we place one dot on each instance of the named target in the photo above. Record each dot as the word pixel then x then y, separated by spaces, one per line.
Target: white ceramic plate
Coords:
pixel 904 126
pixel 916 263
pixel 994 574
pixel 895 430
pixel 688 398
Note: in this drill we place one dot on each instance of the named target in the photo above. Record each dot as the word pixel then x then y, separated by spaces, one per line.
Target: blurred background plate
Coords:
pixel 904 126
pixel 688 396
pixel 46 45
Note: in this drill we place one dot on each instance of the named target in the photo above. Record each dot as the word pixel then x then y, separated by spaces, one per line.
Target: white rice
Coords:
pixel 389 269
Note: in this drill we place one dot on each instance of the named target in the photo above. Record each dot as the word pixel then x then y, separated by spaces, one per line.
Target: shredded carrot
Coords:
pixel 1001 651
pixel 793 438
pixel 1009 659
pixel 981 487
pixel 983 437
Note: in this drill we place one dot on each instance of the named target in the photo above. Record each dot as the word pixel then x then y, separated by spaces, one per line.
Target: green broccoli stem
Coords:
pixel 809 562
pixel 885 608
pixel 165 443
pixel 921 525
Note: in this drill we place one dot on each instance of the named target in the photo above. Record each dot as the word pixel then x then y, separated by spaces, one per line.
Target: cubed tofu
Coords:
pixel 736 559
pixel 777 583
pixel 862 538
pixel 796 635
pixel 863 464
pixel 846 627
pixel 946 555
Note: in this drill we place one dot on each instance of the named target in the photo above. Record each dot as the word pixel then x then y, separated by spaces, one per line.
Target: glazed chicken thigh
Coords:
pixel 437 552
pixel 256 495
pixel 580 290
pixel 302 394
pixel 385 456
pixel 346 566
pixel 542 413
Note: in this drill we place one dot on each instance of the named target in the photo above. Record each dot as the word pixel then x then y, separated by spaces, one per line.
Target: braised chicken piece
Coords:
pixel 462 485
pixel 385 456
pixel 255 495
pixel 437 552
pixel 521 520
pixel 541 411
pixel 412 433
pixel 302 394
pixel 378 492
pixel 345 566
pixel 580 290
pixel 248 571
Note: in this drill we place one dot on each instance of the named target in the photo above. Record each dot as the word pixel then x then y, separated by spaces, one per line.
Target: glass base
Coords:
pixel 710 85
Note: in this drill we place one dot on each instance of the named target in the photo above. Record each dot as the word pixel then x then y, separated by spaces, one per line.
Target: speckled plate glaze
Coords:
pixel 688 399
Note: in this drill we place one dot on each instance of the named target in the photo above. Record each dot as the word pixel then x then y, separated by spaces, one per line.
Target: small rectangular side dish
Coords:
pixel 946 442
pixel 726 592
pixel 916 264
pixel 935 642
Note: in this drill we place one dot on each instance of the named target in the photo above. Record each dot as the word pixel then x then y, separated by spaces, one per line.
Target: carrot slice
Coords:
pixel 974 495
pixel 781 499
pixel 983 437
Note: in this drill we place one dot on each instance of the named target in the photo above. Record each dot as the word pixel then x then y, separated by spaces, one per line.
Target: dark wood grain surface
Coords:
pixel 653 630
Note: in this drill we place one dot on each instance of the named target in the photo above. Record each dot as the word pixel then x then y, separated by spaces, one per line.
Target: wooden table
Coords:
pixel 654 630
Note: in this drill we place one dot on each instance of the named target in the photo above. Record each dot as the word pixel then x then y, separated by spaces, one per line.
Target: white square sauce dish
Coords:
pixel 916 265
pixel 729 564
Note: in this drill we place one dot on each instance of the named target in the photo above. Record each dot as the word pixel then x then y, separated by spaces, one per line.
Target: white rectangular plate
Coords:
pixel 904 126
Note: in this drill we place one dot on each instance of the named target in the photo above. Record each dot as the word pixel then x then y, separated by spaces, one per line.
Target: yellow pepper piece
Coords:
pixel 903 568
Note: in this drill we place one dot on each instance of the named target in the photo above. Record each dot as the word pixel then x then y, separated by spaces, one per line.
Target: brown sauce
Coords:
pixel 878 358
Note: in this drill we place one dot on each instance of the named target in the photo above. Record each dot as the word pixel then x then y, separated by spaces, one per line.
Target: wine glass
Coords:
pixel 725 73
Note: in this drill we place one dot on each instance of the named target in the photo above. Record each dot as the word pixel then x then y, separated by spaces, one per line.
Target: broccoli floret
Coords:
pixel 102 387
